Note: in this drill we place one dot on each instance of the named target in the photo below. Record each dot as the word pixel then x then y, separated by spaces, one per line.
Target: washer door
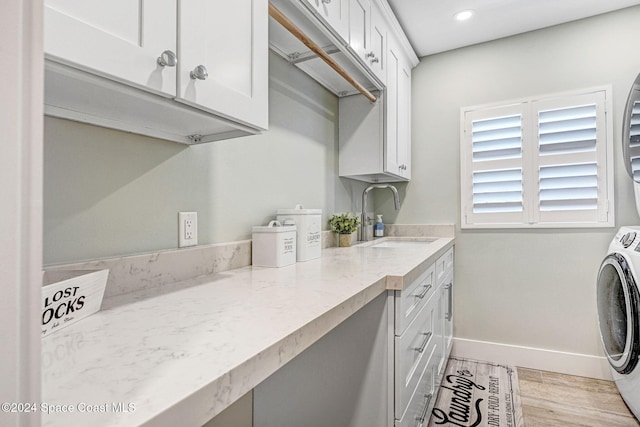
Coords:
pixel 618 313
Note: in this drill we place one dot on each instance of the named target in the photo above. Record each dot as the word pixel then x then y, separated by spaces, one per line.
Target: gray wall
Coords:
pixel 110 193
pixel 530 288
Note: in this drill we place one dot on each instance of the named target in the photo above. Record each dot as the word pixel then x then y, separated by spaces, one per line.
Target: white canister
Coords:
pixel 308 222
pixel 273 245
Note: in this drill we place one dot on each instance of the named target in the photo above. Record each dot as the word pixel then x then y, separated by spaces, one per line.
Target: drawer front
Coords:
pixel 423 399
pixel 443 265
pixel 413 349
pixel 410 300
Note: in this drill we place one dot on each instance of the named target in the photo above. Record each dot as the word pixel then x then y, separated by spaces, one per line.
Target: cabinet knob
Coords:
pixel 167 59
pixel 200 73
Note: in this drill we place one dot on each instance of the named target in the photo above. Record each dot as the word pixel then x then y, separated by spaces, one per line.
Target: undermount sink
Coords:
pixel 397 243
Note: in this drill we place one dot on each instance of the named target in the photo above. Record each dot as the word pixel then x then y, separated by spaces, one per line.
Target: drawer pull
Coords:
pixel 426 341
pixel 449 314
pixel 422 416
pixel 426 290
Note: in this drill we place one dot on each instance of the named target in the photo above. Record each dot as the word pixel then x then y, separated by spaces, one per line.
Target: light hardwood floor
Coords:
pixel 550 400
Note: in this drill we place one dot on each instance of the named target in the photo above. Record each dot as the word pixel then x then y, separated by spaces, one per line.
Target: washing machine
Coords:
pixel 618 299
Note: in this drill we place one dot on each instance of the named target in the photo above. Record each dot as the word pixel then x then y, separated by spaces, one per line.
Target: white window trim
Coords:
pixel 530 218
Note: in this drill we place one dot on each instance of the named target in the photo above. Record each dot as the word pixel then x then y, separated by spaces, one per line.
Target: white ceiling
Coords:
pixel 431 27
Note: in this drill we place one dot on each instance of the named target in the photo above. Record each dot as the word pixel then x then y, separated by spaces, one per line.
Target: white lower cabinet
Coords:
pixel 422 349
pixel 419 407
pixel 381 367
pixel 414 350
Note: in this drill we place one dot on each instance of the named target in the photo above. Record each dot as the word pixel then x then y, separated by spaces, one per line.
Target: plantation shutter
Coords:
pixel 494 163
pixel 571 156
pixel 539 163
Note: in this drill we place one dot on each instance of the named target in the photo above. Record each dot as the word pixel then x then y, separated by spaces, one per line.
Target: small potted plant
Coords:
pixel 344 224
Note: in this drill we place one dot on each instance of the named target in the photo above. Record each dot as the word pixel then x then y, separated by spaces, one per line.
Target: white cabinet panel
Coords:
pixel 411 299
pixel 377 55
pixel 413 350
pixel 423 399
pixel 391 111
pixel 404 120
pixel 398 112
pixel 120 39
pixel 444 264
pixel 360 26
pixel 447 297
pixel 230 40
pixel 444 283
pixel 335 13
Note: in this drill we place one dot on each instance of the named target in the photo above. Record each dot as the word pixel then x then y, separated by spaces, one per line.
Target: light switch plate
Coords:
pixel 187 229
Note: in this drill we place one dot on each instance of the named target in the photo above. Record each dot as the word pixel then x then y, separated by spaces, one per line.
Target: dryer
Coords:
pixel 618 299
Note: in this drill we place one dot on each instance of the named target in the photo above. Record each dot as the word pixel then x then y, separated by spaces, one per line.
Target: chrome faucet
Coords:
pixel 363 218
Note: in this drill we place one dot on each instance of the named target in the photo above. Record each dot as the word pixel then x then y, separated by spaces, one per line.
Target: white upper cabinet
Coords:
pixel 335 13
pixel 398 113
pixel 375 139
pixel 107 62
pixel 224 58
pixel 404 119
pixel 119 39
pixel 376 57
pixel 360 27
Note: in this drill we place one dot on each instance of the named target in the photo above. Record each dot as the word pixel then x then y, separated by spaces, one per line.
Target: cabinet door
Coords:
pixel 118 39
pixel 447 296
pixel 404 119
pixel 227 41
pixel 398 113
pixel 360 26
pixel 376 57
pixel 335 13
pixel 391 160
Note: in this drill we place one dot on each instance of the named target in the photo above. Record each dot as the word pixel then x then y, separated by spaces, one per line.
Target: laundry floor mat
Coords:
pixel 478 394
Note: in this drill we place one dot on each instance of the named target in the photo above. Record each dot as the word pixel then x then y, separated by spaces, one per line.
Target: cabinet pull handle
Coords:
pixel 426 289
pixel 423 415
pixel 426 341
pixel 374 60
pixel 167 59
pixel 450 304
pixel 370 54
pixel 200 73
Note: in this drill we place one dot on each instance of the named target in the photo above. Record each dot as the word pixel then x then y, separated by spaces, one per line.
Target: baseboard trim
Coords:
pixel 534 358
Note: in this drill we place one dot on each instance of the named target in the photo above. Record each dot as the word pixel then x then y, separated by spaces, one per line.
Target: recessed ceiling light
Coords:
pixel 464 15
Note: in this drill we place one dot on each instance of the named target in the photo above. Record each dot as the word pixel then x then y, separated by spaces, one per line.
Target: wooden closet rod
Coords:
pixel 297 32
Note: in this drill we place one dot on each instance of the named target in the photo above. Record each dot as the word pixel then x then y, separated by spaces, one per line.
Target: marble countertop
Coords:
pixel 181 353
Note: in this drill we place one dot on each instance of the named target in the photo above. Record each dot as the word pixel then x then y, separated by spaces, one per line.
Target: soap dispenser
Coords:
pixel 378 228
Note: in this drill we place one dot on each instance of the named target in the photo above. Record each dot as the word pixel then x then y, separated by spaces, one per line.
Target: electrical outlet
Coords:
pixel 187 229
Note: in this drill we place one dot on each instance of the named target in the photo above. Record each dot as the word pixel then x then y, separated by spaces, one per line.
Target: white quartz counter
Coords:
pixel 180 354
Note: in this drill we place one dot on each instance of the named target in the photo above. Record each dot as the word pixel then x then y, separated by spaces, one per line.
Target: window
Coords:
pixel 539 162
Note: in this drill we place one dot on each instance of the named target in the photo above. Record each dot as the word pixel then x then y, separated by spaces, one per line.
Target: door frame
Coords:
pixel 21 118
